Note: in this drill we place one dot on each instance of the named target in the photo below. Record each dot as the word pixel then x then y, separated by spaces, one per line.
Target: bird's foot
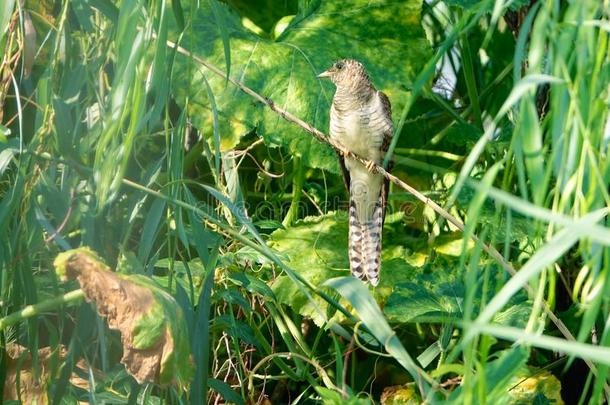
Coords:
pixel 343 151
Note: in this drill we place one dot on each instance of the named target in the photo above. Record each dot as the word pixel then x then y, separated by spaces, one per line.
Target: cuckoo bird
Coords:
pixel 361 121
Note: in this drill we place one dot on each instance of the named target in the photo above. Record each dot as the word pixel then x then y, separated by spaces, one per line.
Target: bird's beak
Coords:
pixel 324 74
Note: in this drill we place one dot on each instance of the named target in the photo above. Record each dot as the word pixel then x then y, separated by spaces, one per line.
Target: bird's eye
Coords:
pixel 339 65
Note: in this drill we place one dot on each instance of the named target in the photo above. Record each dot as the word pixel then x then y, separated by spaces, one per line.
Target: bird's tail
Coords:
pixel 365 244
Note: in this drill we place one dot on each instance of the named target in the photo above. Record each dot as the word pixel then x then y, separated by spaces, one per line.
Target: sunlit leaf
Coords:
pixel 378 33
pixel 400 395
pixel 495 380
pixel 535 387
pixel 317 249
pixel 438 297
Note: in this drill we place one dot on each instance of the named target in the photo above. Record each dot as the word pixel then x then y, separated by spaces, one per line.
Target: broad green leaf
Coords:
pixel 386 36
pixel 316 248
pixel 520 226
pixel 412 302
pixel 438 297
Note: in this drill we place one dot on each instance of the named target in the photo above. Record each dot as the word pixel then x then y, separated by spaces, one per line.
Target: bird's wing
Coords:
pixel 346 177
pixel 344 171
pixel 389 127
pixel 387 140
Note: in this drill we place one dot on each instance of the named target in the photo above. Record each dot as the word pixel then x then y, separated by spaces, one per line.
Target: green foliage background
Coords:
pixel 113 138
pixel 283 66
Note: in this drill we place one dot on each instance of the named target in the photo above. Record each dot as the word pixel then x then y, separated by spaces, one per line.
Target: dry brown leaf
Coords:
pixel 152 327
pixel 32 389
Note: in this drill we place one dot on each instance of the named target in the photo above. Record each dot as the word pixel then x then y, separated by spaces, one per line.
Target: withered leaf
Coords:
pixel 23 383
pixel 152 326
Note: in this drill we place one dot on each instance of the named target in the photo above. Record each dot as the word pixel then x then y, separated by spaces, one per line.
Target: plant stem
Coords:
pixel 471 84
pixel 71 298
pixel 297 190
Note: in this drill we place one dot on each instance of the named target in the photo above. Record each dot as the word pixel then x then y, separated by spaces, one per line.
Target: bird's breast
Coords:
pixel 356 130
pixel 358 136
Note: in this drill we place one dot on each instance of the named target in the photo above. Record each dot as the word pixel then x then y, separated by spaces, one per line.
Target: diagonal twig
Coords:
pixel 320 136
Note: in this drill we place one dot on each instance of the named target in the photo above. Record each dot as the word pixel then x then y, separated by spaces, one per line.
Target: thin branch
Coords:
pixel 379 169
pixel 70 298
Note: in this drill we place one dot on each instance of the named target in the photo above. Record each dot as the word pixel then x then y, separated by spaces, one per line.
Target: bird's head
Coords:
pixel 347 73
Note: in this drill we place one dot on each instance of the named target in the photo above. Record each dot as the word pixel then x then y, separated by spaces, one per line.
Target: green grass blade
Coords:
pixel 545 256
pixel 355 292
pixel 201 340
pixel 586 351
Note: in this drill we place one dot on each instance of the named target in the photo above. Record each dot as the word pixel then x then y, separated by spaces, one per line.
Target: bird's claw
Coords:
pixel 343 151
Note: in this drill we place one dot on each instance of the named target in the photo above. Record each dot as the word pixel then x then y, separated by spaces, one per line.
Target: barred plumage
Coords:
pixel 365 245
pixel 360 120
